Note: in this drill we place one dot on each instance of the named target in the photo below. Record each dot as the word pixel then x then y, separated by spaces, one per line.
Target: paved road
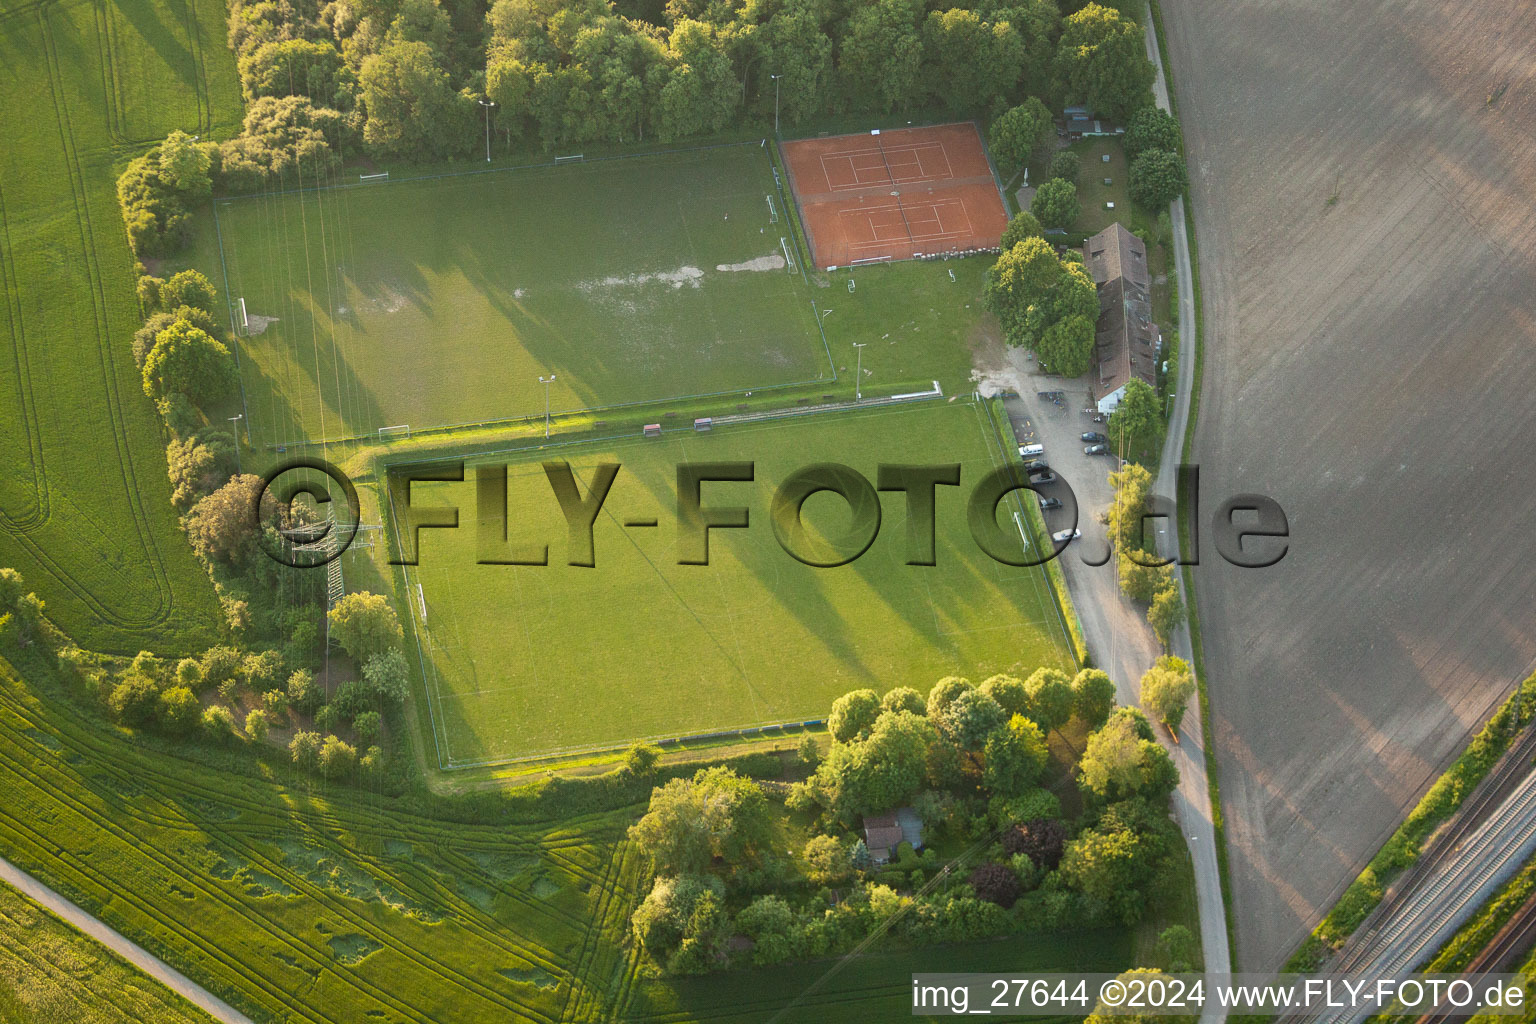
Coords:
pixel 134 954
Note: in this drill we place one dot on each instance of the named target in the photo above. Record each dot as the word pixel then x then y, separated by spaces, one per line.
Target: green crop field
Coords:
pixel 85 513
pixel 442 301
pixel 525 660
pixel 54 973
pixel 309 903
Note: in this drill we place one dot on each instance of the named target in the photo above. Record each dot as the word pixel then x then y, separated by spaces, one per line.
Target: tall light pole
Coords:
pixel 858 372
pixel 775 104
pixel 546 381
pixel 487 104
pixel 235 426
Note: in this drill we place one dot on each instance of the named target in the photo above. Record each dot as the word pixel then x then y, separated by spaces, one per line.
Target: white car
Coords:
pixel 1066 536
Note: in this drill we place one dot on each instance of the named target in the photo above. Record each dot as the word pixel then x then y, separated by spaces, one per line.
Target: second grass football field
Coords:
pixel 444 301
pixel 521 661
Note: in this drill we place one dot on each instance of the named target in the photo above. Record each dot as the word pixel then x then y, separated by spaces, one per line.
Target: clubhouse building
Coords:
pixel 1127 341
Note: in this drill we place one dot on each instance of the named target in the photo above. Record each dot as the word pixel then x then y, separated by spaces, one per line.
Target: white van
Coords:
pixel 1031 451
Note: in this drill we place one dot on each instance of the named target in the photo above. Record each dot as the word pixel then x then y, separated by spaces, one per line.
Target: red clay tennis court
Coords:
pixel 893 195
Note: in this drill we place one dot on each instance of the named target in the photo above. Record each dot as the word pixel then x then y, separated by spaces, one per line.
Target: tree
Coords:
pixel 882 52
pixel 298 67
pixel 285 139
pixel 1157 178
pixel 1122 760
pixel 880 772
pixel 1055 204
pixel 1015 756
pixel 969 719
pixel 365 625
pixel 1023 225
pixel 189 673
pixel 702 93
pixel 1030 289
pixel 179 710
pixel 1010 693
pixel 1020 134
pixel 1042 840
pixel 642 759
pixel 29 619
pixel 827 860
pixel 257 725
pixel 1141 581
pixel 1101 61
pixel 807 752
pixel 1093 696
pixel 303 692
pixel 1050 697
pixel 304 747
pixel 199 465
pixel 222 527
pixel 1133 495
pixel 663 917
pixel 1166 688
pixel 1137 422
pixel 191 289
pixel 717 813
pixel 188 361
pixel 943 692
pixel 853 714
pixel 184 165
pixel 337 758
pixel 1166 614
pixel 367 726
pixel 219 664
pixel 1066 347
pixel 1152 127
pixel 1120 1015
pixel 412 110
pixel 389 677
pixel 793 42
pixel 144 337
pixel 995 883
pixel 1066 166
pixel 372 764
pixel 12 587
pixel 134 699
pixel 1177 949
pixel 904 698
pixel 971 61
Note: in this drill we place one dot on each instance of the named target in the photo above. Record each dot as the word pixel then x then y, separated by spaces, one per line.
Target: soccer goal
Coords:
pixel 574 158
pixel 789 261
pixel 773 211
pixel 392 433
pixel 381 176
pixel 245 321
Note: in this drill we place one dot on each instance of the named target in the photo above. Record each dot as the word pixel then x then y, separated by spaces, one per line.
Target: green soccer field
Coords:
pixel 521 661
pixel 442 301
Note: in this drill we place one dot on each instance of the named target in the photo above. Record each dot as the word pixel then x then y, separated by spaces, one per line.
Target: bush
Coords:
pixel 303 692
pixel 365 625
pixel 328 717
pixel 189 361
pixel 1041 840
pixel 199 464
pixel 179 711
pixel 305 749
pixel 367 726
pixel 275 703
pixel 996 883
pixel 218 723
pixel 336 759
pixel 828 860
pixel 256 725
pixel 389 677
pixel 134 698
pixel 191 290
pixel 641 760
pixel 153 214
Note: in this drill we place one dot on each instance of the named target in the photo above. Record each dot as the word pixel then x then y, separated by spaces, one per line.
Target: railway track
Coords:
pixel 1459 868
pixel 1517 936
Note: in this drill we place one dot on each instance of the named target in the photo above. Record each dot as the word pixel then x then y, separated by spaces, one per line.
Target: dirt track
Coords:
pixel 1367 228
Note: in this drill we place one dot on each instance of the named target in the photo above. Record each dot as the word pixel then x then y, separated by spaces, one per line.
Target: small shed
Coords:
pixel 884 832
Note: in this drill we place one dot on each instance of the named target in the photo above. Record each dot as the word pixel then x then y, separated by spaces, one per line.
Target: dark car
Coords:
pixel 1047 504
pixel 1095 437
pixel 1037 466
pixel 1044 476
pixel 1096 449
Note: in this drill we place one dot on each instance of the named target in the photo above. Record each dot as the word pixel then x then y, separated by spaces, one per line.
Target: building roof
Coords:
pixel 884 831
pixel 1126 339
pixel 882 840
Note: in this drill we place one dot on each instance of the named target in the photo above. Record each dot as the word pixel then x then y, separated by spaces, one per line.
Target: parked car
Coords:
pixel 1031 451
pixel 1046 504
pixel 1066 536
pixel 1095 437
pixel 1037 465
pixel 1047 477
pixel 1096 449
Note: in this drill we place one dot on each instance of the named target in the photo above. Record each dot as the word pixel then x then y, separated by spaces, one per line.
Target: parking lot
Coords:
pixel 1082 481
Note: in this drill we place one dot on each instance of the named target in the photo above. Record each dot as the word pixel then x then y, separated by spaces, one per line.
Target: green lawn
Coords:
pixel 57 974
pixel 85 513
pixel 523 660
pixel 442 301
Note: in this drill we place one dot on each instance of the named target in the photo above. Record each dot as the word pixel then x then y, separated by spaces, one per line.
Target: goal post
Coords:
pixel 574 158
pixel 392 433
pixel 381 176
pixel 773 212
pixel 789 261
pixel 245 321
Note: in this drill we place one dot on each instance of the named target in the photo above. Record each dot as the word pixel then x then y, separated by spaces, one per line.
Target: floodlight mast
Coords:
pixel 775 104
pixel 235 425
pixel 487 104
pixel 546 381
pixel 858 372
